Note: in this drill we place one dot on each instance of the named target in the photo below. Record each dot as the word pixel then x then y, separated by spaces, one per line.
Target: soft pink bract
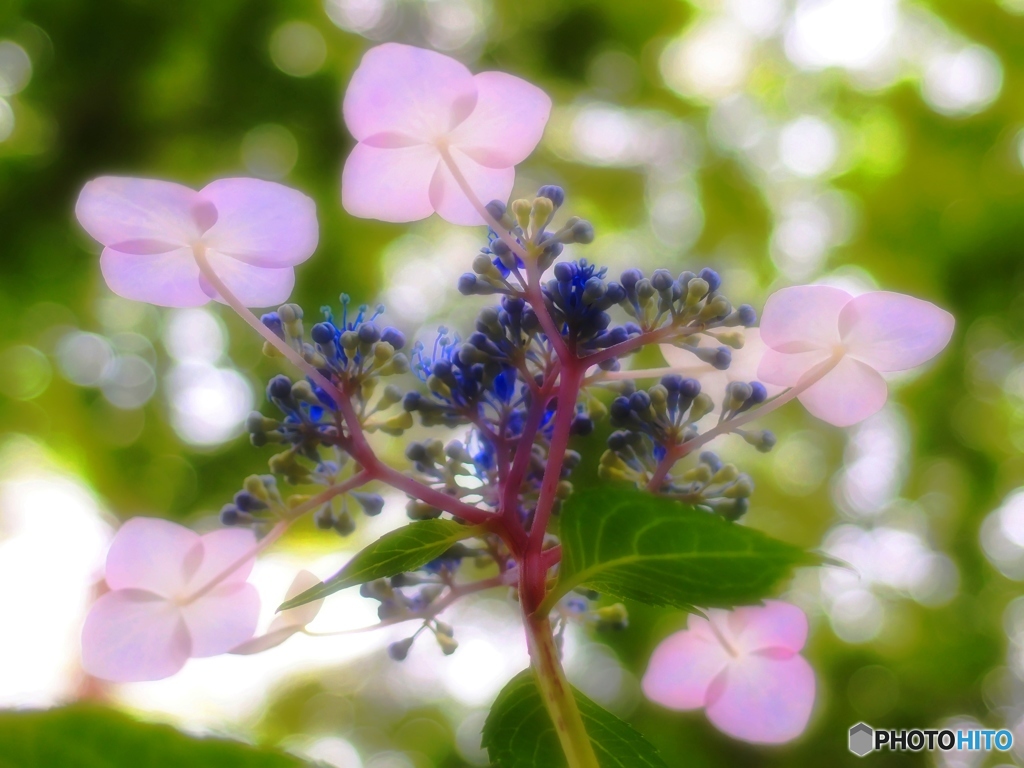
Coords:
pixel 253 233
pixel 806 326
pixel 743 667
pixel 286 623
pixel 406 106
pixel 148 625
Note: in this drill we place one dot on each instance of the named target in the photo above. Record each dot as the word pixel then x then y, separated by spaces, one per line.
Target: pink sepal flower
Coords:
pixel 253 233
pixel 151 623
pixel 286 623
pixel 405 106
pixel 807 326
pixel 743 667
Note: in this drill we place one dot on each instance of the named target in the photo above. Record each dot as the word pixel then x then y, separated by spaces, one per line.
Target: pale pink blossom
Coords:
pixel 713 382
pixel 407 108
pixel 286 623
pixel 252 233
pixel 811 327
pixel 152 621
pixel 743 667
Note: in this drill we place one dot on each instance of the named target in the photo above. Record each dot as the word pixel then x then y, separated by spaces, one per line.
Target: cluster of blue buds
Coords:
pixel 257 503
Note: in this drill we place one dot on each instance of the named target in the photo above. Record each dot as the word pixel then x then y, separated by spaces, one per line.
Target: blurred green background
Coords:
pixel 867 143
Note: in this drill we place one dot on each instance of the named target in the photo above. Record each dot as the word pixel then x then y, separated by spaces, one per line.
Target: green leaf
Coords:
pixel 85 736
pixel 632 545
pixel 518 732
pixel 401 550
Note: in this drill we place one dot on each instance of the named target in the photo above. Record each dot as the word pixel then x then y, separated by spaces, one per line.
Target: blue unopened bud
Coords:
pixel 661 280
pixel 747 315
pixel 630 278
pixel 563 272
pixel 496 208
pixel 399 650
pixel 322 333
pixel 394 337
pixel 553 193
pixel 620 409
pixel 468 284
pixel 640 401
pixel 758 393
pixel 583 232
pixel 369 333
pixel 372 503
pixel 279 388
pixel 689 388
pixel 273 321
pixel 231 515
pixel 246 502
pixel 673 382
pixel 712 278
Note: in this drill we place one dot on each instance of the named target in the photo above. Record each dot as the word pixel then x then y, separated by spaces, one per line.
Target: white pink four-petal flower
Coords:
pixel 743 667
pixel 810 327
pixel 252 232
pixel 408 108
pixel 157 614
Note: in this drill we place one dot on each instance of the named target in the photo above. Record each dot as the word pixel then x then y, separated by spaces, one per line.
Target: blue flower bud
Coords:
pixel 496 208
pixel 640 401
pixel 372 503
pixel 582 425
pixel 394 337
pixel 689 388
pixel 369 333
pixel 630 278
pixel 279 388
pixel 673 382
pixel 553 193
pixel 712 278
pixel 246 502
pixel 583 232
pixel 322 333
pixel 758 393
pixel 564 272
pixel 712 460
pixel 273 321
pixel 400 650
pixel 661 280
pixel 620 409
pixel 747 315
pixel 231 515
pixel 467 284
pixel 411 401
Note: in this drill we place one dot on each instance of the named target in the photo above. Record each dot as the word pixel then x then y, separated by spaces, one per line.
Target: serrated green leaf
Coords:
pixel 84 736
pixel 518 732
pixel 401 550
pixel 632 545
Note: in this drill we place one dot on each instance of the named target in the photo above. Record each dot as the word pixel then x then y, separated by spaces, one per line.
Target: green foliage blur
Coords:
pixel 934 206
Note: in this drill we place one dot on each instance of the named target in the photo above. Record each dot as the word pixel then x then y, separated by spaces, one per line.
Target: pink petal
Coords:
pixel 803 317
pixel 150 554
pixel 786 370
pixel 167 279
pixel 774 625
pixel 260 222
pixel 399 89
pixel 389 184
pixel 303 614
pixel 137 215
pixel 507 123
pixel 286 623
pixel 682 667
pixel 487 184
pixel 220 550
pixel 222 619
pixel 894 332
pixel 270 639
pixel 131 635
pixel 849 393
pixel 253 286
pixel 762 700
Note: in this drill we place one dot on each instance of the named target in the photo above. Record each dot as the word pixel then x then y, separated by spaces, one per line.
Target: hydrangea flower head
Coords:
pixel 252 232
pixel 151 623
pixel 807 326
pixel 408 108
pixel 743 667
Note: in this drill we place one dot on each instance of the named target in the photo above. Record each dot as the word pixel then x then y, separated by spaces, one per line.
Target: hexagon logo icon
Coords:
pixel 862 739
